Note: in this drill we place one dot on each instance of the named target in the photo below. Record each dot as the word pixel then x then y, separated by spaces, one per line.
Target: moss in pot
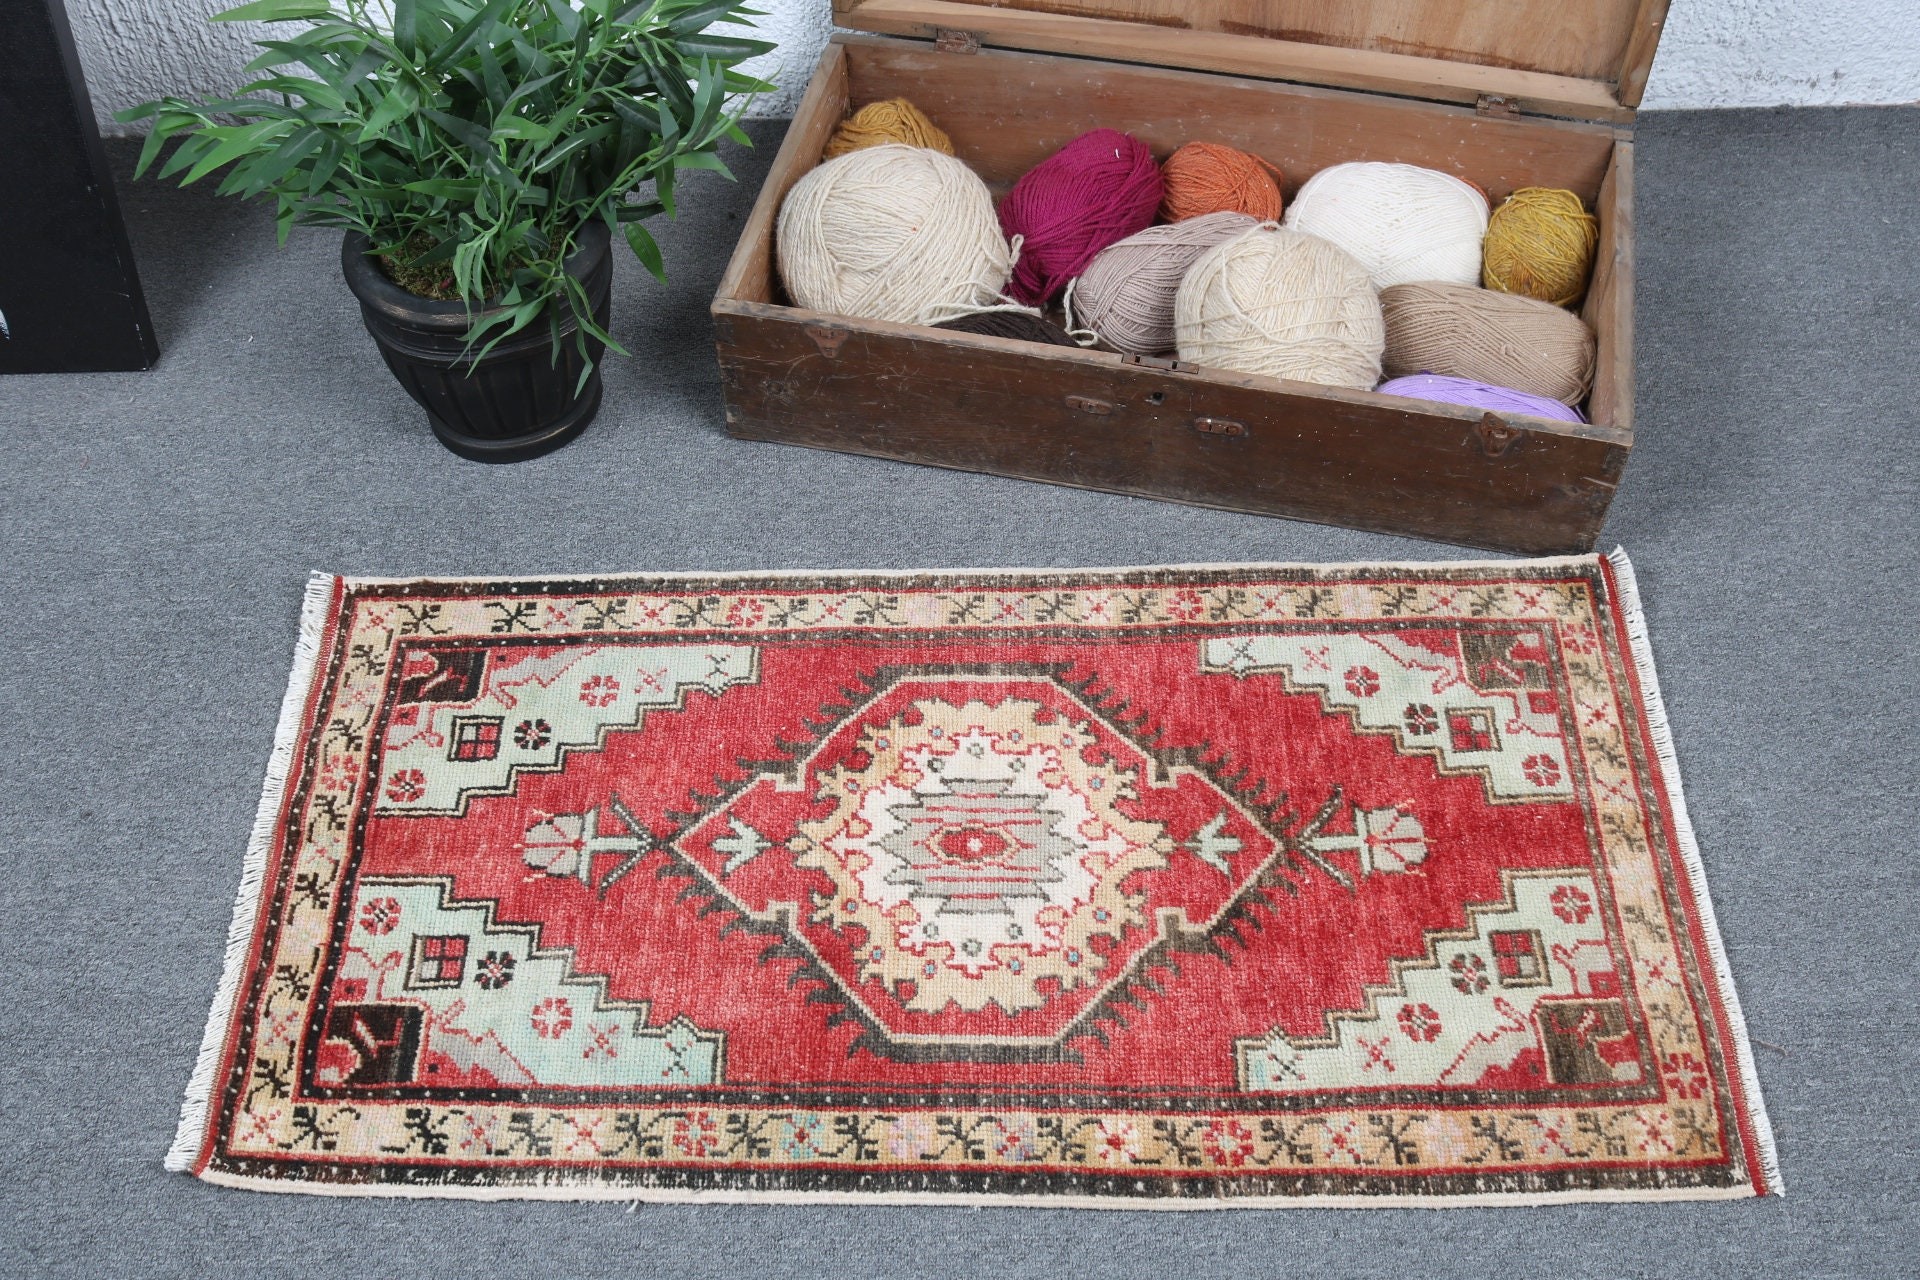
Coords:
pixel 480 156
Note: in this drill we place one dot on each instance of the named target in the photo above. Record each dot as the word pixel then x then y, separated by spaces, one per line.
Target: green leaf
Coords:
pixel 470 32
pixel 702 160
pixel 580 140
pixel 701 18
pixel 641 241
pixel 229 145
pixel 400 101
pixel 406 24
pixel 254 177
pixel 729 47
pixel 275 11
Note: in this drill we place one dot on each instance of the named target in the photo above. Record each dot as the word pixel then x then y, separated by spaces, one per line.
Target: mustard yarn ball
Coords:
pixel 1284 304
pixel 1540 243
pixel 878 123
pixel 892 233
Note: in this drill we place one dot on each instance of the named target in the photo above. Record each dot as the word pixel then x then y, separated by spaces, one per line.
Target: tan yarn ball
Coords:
pixel 878 123
pixel 1505 339
pixel 1126 294
pixel 1403 222
pixel 1283 304
pixel 892 233
pixel 1541 242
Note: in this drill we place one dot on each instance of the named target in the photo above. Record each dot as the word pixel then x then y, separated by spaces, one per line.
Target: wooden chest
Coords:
pixel 1504 93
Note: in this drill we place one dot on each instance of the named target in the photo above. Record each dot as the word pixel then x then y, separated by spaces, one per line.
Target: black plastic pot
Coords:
pixel 518 401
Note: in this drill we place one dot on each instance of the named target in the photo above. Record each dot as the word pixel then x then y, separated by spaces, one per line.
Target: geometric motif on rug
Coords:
pixel 1363 885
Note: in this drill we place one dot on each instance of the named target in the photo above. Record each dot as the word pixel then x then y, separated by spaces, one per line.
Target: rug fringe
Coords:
pixel 195 1111
pixel 1642 648
pixel 637 1197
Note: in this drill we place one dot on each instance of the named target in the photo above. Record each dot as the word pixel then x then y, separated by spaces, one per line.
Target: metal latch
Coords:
pixel 1219 427
pixel 1162 363
pixel 1496 104
pixel 1496 435
pixel 827 338
pixel 952 40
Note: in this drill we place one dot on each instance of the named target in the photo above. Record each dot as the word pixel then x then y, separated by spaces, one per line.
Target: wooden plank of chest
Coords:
pixel 1218 439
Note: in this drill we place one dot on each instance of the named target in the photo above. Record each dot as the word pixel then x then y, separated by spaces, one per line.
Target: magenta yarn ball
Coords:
pixel 1098 189
pixel 1478 395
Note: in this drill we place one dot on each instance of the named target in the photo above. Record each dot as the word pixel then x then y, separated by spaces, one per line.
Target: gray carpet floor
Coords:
pixel 158 526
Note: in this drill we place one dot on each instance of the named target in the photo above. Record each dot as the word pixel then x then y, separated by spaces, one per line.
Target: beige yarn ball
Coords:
pixel 1506 339
pixel 1126 294
pixel 1402 222
pixel 1283 304
pixel 892 233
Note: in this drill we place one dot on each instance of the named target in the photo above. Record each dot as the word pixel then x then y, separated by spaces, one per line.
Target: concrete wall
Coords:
pixel 1714 53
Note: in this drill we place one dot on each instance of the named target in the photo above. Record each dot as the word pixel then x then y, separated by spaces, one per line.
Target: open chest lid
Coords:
pixel 1585 59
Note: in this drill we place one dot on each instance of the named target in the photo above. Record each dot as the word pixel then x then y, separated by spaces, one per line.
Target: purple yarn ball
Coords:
pixel 1477 395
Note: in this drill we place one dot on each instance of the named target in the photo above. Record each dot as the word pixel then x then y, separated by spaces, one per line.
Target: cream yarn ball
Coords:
pixel 893 233
pixel 1402 222
pixel 1284 304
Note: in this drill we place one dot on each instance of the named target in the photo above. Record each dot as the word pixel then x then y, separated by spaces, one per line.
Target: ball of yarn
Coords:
pixel 1101 187
pixel 1022 326
pixel 892 233
pixel 1283 304
pixel 1500 338
pixel 1207 177
pixel 1126 294
pixel 1402 222
pixel 1478 395
pixel 1540 242
pixel 878 123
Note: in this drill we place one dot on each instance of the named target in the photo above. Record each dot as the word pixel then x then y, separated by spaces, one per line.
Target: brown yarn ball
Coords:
pixel 1209 177
pixel 1458 331
pixel 1021 326
pixel 878 123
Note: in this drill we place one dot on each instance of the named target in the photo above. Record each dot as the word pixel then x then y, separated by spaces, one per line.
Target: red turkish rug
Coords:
pixel 1194 887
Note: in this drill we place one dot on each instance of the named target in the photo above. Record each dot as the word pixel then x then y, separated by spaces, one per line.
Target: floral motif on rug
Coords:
pixel 1149 887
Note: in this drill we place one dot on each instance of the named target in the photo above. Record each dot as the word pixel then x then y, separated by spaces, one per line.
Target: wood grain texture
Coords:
pixel 1450 50
pixel 1013 409
pixel 1642 41
pixel 1609 305
pixel 1007 111
pixel 749 272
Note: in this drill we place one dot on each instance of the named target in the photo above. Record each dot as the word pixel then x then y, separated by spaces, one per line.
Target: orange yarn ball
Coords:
pixel 1207 177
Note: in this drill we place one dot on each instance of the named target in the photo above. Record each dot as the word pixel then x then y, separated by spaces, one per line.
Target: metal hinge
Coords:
pixel 1494 104
pixel 952 40
pixel 1161 362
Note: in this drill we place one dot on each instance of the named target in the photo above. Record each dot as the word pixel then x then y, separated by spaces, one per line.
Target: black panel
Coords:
pixel 68 291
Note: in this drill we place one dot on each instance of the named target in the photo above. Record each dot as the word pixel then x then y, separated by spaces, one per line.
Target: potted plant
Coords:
pixel 480 155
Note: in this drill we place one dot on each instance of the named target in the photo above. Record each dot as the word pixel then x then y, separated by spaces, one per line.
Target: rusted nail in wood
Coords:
pixel 828 339
pixel 1496 436
pixel 1219 427
pixel 952 40
pixel 1088 404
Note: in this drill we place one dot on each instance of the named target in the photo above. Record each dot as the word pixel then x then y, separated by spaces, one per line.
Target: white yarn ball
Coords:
pixel 1284 304
pixel 1403 223
pixel 892 233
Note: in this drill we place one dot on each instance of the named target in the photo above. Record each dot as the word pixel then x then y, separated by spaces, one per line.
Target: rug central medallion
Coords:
pixel 981 854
